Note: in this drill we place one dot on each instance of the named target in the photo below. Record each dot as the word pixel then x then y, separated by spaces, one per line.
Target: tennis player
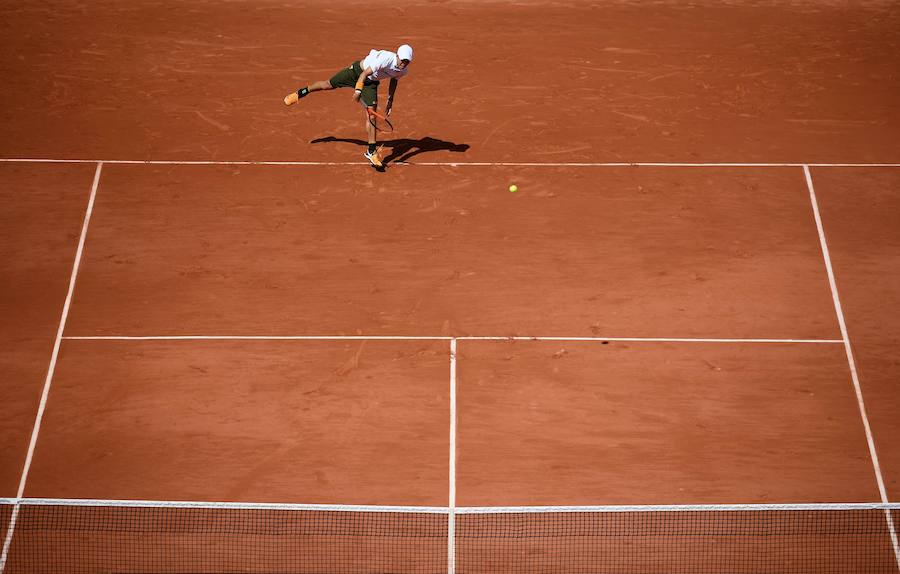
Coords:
pixel 364 76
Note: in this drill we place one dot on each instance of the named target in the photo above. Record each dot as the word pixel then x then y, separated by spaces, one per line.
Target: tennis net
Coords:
pixel 84 536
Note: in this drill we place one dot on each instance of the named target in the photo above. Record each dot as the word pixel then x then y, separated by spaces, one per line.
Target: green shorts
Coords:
pixel 347 78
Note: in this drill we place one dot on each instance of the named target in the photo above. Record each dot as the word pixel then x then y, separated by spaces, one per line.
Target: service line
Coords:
pixel 438 338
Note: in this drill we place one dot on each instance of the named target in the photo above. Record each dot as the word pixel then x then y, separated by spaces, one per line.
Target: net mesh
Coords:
pixel 90 539
pixel 81 538
pixel 751 542
pixel 5 514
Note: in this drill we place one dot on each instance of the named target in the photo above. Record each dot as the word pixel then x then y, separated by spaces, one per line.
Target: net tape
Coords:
pixel 75 536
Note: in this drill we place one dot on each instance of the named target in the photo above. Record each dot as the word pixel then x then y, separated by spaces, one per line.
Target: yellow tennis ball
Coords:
pixel 513 188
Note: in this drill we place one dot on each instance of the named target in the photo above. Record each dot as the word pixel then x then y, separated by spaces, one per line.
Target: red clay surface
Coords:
pixel 40 222
pixel 861 213
pixel 310 422
pixel 529 81
pixel 699 252
pixel 644 252
pixel 556 423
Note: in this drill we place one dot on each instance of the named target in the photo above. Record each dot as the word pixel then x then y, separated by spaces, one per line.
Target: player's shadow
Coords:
pixel 403 149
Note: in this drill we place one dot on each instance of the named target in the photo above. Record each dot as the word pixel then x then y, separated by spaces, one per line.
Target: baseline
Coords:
pixel 451 163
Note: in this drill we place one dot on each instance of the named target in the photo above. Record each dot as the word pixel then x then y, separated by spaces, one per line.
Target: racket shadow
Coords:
pixel 402 149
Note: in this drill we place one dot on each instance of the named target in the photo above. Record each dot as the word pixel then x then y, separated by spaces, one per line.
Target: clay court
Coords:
pixel 228 344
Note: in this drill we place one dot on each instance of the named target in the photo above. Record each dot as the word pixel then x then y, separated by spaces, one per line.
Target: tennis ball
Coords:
pixel 513 188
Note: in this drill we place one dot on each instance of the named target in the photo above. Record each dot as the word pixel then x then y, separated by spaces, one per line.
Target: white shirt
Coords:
pixel 383 65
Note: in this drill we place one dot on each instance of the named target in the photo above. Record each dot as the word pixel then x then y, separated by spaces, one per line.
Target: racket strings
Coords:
pixel 380 123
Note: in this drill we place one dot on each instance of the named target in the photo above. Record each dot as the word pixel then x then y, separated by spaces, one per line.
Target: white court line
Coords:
pixel 446 164
pixel 52 368
pixel 651 339
pixel 433 338
pixel 850 360
pixel 451 499
pixel 259 338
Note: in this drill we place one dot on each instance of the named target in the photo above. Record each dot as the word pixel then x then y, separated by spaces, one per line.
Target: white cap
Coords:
pixel 404 52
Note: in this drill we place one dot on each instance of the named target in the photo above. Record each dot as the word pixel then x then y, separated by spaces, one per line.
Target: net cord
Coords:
pixel 788 507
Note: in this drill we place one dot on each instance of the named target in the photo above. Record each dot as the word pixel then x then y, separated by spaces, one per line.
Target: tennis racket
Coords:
pixel 379 121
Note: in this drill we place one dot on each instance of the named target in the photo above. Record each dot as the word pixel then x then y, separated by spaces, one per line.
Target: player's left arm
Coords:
pixel 390 100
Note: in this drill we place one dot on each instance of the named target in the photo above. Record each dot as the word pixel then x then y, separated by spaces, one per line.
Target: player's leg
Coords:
pixel 294 97
pixel 372 153
pixel 369 97
pixel 343 79
pixel 371 135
